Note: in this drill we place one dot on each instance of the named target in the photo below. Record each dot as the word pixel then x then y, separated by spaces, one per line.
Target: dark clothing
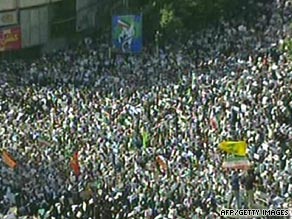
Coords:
pixel 235 191
pixel 235 182
pixel 249 181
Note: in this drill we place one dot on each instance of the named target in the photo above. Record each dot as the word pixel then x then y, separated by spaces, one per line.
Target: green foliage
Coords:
pixel 169 16
pixel 169 20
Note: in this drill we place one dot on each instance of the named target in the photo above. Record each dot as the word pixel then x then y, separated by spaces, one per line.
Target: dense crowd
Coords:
pixel 120 113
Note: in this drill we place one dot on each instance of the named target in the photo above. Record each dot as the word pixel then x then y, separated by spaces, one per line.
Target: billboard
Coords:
pixel 10 39
pixel 127 33
pixel 8 18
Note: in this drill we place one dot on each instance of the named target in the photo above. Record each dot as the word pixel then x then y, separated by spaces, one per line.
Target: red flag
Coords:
pixel 75 164
pixel 162 163
pixel 213 123
pixel 8 160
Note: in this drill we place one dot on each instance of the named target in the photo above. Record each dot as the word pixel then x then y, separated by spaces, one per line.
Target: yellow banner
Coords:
pixel 234 147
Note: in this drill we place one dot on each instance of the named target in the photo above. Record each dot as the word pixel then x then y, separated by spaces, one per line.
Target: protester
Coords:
pixel 249 182
pixel 235 184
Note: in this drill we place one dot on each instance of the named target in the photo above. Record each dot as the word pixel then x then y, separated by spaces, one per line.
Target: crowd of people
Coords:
pixel 121 113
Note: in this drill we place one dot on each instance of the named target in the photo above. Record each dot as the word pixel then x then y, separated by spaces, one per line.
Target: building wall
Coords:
pixel 34 18
pixel 31 15
pixel 31 3
pixel 34 26
pixel 14 4
pixel 85 14
pixel 8 5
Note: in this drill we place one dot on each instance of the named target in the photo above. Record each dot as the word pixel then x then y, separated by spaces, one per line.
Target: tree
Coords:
pixel 170 17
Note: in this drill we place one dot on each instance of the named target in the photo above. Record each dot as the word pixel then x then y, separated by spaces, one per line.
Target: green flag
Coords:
pixel 145 138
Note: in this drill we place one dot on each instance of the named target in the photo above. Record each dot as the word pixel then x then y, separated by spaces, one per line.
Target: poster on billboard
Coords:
pixel 127 33
pixel 10 39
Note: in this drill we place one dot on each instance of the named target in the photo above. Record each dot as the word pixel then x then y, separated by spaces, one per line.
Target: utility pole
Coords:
pixel 157 42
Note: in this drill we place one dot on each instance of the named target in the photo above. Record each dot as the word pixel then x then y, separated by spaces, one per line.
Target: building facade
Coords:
pixel 29 23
